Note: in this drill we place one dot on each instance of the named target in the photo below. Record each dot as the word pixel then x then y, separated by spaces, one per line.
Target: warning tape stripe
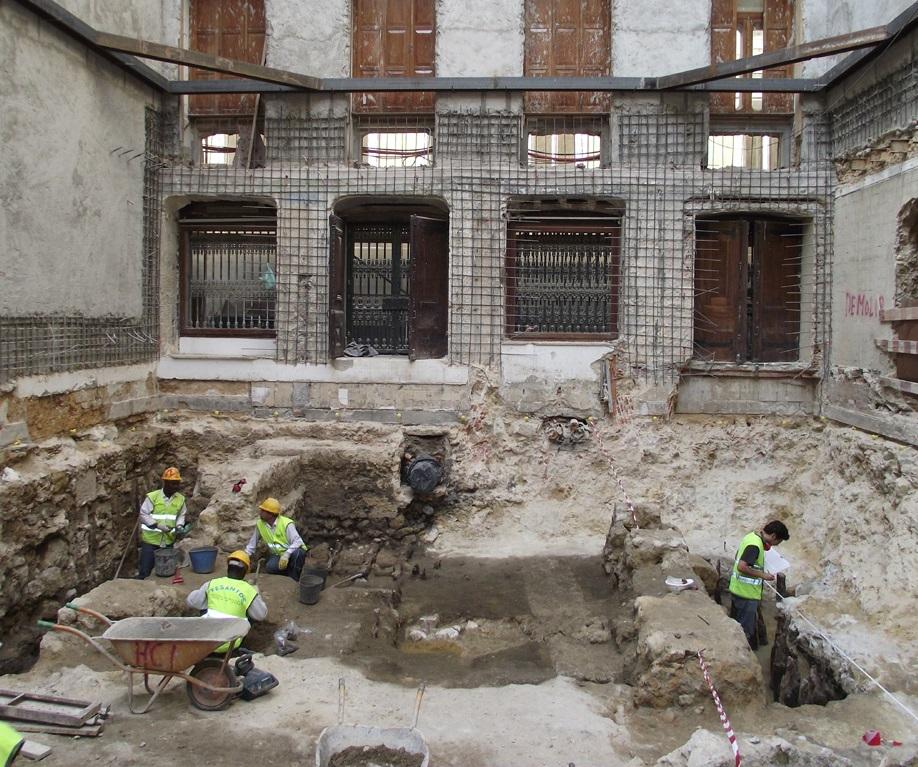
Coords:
pixel 617 478
pixel 724 720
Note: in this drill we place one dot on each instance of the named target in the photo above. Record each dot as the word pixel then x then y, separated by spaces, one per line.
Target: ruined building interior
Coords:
pixel 527 312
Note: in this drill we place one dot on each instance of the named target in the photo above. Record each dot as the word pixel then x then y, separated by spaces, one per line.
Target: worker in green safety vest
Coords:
pixel 162 520
pixel 287 552
pixel 11 743
pixel 231 596
pixel 749 573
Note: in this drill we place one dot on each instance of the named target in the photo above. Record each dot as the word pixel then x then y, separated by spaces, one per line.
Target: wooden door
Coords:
pixel 776 291
pixel 427 325
pixel 720 289
pixel 337 288
pixel 234 29
pixel 567 38
pixel 394 38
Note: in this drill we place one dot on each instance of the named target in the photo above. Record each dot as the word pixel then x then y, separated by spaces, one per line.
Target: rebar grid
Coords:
pixel 888 104
pixel 478 170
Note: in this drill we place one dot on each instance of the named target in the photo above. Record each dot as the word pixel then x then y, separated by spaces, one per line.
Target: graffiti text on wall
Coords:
pixel 863 304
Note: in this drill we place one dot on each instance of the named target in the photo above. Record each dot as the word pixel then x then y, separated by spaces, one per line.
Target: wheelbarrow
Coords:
pixel 360 744
pixel 167 647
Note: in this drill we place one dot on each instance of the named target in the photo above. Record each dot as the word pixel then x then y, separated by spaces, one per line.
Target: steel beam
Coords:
pixel 503 84
pixel 81 31
pixel 828 46
pixel 902 23
pixel 160 52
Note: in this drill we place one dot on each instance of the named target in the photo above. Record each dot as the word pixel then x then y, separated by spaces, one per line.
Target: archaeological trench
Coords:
pixel 525 591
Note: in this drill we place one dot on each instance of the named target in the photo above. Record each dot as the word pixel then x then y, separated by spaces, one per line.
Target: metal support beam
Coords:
pixel 504 84
pixel 902 23
pixel 81 31
pixel 813 50
pixel 150 50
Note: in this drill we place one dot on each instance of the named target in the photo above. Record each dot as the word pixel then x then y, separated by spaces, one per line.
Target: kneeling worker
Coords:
pixel 162 520
pixel 288 552
pixel 230 597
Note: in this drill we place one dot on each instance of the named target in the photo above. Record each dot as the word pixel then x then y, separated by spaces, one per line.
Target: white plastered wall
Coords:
pixel 71 175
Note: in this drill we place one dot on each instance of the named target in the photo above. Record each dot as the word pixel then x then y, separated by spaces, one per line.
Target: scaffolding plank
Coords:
pixel 896 346
pixel 899 314
pixel 909 387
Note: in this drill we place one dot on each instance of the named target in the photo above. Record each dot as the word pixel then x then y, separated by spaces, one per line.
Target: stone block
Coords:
pixel 671 631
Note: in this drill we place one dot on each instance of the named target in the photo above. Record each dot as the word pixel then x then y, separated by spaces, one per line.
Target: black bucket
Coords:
pixel 319 572
pixel 310 588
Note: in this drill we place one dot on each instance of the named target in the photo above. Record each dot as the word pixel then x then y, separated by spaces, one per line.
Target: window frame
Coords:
pixel 749 342
pixel 611 227
pixel 186 227
pixel 542 125
pixel 760 125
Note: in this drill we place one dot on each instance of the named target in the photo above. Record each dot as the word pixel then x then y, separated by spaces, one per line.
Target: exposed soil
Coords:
pixel 375 756
pixel 527 659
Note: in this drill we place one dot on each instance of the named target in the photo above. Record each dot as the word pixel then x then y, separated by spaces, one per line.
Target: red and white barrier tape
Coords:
pixel 616 477
pixel 724 720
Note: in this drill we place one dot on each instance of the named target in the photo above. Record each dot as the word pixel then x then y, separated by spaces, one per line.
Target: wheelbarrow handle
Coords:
pixel 85 637
pixel 92 613
pixel 417 704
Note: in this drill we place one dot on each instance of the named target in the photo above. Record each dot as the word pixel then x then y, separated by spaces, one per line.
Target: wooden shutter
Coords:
pixel 778 20
pixel 234 29
pixel 720 289
pixel 723 47
pixel 567 38
pixel 429 291
pixel 776 291
pixel 394 38
pixel 337 288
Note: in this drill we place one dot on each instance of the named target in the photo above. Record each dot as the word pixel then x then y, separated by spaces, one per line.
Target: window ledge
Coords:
pixel 751 369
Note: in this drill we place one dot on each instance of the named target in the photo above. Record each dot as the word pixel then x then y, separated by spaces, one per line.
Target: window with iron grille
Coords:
pixel 388 279
pixel 563 279
pixel 228 269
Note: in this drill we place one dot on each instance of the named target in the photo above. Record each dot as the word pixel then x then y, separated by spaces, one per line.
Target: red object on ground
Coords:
pixel 872 738
pixel 177 578
pixel 237 486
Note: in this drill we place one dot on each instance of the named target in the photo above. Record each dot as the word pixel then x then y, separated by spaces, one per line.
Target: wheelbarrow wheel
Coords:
pixel 213 672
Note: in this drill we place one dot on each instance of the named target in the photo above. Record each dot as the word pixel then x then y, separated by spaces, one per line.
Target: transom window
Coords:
pixel 228 269
pixel 563 279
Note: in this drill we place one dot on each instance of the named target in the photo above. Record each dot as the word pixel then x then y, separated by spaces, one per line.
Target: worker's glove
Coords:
pixel 282 563
pixel 183 530
pixel 162 528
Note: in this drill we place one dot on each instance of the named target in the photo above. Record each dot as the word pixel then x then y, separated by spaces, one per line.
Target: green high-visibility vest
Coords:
pixel 10 743
pixel 229 598
pixel 165 512
pixel 276 539
pixel 742 585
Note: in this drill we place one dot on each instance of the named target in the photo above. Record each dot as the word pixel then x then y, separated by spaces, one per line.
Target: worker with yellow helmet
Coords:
pixel 285 546
pixel 162 519
pixel 231 596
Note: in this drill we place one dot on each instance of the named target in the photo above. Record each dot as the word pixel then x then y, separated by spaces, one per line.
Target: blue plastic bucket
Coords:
pixel 203 559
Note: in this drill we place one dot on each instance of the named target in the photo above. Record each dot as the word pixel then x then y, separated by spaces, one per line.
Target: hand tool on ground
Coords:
pixel 354 577
pixel 126 547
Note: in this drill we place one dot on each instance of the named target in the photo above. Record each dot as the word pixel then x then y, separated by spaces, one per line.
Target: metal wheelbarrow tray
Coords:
pixel 351 745
pixel 166 647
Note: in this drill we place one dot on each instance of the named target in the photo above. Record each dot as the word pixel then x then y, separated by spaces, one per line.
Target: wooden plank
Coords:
pixel 34 751
pixel 909 387
pixel 827 46
pixel 86 731
pixel 896 427
pixel 897 346
pixel 899 314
